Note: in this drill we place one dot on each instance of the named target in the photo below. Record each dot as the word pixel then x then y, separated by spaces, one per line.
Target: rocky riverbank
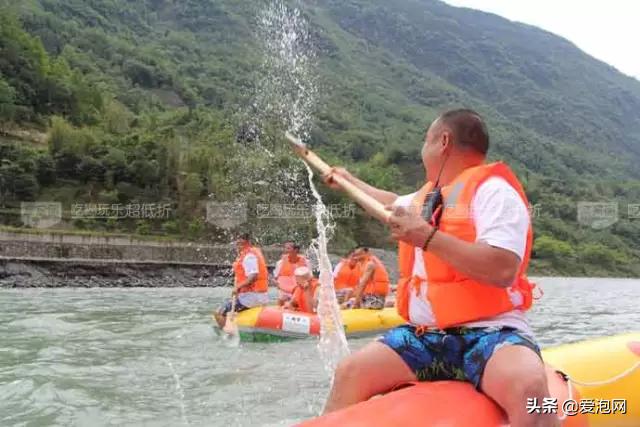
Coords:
pixel 16 272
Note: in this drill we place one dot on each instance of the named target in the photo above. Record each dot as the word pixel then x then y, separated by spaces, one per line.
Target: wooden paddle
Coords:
pixel 230 326
pixel 368 203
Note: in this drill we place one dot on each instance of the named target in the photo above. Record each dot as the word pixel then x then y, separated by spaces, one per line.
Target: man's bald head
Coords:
pixel 467 129
pixel 456 140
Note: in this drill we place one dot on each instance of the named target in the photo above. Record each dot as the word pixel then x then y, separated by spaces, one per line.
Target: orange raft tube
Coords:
pixel 457 404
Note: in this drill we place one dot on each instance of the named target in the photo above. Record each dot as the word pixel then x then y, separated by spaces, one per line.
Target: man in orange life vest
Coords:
pixel 250 279
pixel 464 245
pixel 373 284
pixel 346 275
pixel 283 271
pixel 304 294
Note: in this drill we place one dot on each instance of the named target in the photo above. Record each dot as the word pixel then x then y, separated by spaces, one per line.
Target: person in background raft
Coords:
pixel 283 271
pixel 464 246
pixel 373 284
pixel 304 294
pixel 250 279
pixel 346 275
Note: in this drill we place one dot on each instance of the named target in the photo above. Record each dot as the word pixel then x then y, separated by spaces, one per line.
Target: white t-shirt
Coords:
pixel 276 270
pixel 252 299
pixel 250 264
pixel 337 269
pixel 501 220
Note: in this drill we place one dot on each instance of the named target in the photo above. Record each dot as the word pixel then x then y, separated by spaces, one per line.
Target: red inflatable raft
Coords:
pixel 441 404
pixel 604 370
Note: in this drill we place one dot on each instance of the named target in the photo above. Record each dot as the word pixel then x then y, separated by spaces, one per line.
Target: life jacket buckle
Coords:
pixel 421 330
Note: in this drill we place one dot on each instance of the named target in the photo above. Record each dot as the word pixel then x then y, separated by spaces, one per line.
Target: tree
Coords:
pixel 146 173
pixel 7 99
pixel 115 162
pixel 15 183
pixel 90 169
pixel 112 80
pixel 46 170
pixel 117 118
pixel 139 73
pixel 559 252
pixel 600 255
pixel 192 186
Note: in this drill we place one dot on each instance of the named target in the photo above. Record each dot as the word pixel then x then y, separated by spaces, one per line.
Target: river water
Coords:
pixel 148 357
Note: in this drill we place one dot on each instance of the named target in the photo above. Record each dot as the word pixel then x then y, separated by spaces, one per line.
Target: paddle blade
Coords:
pixel 232 334
pixel 299 147
pixel 230 327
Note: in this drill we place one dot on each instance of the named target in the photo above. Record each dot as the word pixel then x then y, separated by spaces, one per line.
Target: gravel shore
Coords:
pixel 50 273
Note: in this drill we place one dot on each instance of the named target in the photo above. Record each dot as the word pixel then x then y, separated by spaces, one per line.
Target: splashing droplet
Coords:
pixel 287 93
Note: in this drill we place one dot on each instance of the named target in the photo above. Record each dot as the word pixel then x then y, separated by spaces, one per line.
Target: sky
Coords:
pixel 607 30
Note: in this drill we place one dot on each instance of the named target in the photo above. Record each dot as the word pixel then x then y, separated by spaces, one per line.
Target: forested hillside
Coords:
pixel 148 102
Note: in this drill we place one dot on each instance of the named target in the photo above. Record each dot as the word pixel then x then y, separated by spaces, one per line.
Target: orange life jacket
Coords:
pixel 347 277
pixel 300 298
pixel 287 269
pixel 455 298
pixel 378 284
pixel 261 284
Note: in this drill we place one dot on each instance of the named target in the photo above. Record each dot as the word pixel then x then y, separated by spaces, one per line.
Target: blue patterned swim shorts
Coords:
pixel 453 354
pixel 226 307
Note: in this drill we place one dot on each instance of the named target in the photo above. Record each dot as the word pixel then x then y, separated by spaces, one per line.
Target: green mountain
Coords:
pixel 150 102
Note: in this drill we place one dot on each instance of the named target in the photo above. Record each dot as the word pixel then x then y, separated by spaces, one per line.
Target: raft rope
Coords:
pixel 611 380
pixel 605 382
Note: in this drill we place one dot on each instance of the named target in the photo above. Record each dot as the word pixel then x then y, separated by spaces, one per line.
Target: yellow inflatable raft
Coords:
pixel 601 389
pixel 605 371
pixel 271 323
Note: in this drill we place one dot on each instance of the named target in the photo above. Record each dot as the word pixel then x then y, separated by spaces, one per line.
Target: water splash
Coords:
pixel 180 391
pixel 333 344
pixel 287 94
pixel 282 97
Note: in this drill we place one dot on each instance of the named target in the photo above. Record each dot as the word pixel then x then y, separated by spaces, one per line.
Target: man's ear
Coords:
pixel 446 141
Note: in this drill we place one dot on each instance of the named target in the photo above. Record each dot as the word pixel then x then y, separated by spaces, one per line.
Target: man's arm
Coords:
pixel 289 305
pixel 309 297
pixel 292 304
pixel 478 260
pixel 247 282
pixel 382 196
pixel 502 221
pixel 366 276
pixel 276 273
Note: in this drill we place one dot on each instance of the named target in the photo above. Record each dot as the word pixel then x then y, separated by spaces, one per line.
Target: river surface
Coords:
pixel 149 357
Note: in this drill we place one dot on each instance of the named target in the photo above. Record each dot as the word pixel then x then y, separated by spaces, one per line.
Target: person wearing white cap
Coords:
pixel 304 292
